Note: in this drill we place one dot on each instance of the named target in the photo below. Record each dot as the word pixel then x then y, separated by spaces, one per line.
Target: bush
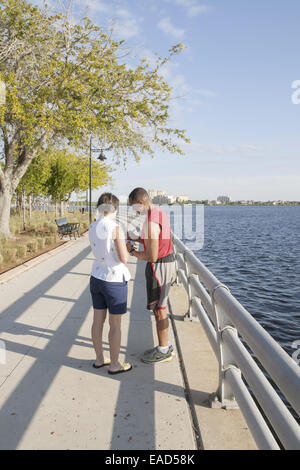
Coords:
pixel 48 240
pixel 32 246
pixel 1 260
pixel 53 229
pixel 21 251
pixel 41 243
pixel 10 255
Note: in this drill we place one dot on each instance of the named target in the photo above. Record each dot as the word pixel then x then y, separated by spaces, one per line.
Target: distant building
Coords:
pixel 182 198
pixel 171 199
pixel 152 193
pixel 156 192
pixel 224 199
pixel 160 196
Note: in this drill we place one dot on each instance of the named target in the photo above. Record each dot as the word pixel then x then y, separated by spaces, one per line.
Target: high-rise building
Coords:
pixel 224 199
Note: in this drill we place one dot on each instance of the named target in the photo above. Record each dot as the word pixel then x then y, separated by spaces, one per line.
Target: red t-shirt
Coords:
pixel 165 245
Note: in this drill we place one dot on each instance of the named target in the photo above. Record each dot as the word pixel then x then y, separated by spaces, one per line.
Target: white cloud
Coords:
pixel 184 98
pixel 97 6
pixel 124 23
pixel 126 28
pixel 168 28
pixel 193 7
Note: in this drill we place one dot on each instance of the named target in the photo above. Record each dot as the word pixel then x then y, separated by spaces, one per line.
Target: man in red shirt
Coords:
pixel 160 269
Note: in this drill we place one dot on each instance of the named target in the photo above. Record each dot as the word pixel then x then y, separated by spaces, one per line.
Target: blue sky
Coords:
pixel 235 78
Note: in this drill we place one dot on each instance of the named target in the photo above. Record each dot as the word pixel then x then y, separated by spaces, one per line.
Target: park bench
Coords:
pixel 67 228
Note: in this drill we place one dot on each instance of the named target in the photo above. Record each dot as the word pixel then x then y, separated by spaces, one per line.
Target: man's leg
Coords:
pixel 162 326
pixel 163 352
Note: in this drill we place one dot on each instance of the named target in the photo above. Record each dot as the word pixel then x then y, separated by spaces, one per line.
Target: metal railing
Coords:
pixel 225 320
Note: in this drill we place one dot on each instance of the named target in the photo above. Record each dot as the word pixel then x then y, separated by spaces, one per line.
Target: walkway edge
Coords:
pixel 187 390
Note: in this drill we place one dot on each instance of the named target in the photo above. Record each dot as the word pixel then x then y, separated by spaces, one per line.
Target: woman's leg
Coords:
pixel 97 330
pixel 114 338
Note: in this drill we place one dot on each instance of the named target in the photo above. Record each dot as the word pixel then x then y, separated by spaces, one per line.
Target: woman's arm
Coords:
pixel 119 239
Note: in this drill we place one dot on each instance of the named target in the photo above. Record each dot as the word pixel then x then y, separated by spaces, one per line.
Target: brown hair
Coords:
pixel 108 202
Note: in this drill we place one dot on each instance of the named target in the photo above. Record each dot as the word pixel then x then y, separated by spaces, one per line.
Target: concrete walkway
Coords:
pixel 50 395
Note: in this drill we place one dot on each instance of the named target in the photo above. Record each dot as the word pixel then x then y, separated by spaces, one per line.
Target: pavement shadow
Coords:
pixel 134 414
pixel 23 402
pixel 23 303
pixel 134 424
pixel 21 405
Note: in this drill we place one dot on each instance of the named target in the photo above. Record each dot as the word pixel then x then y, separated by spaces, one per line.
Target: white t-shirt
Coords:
pixel 107 265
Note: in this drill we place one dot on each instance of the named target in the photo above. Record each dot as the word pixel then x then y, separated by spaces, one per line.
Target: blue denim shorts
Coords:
pixel 111 295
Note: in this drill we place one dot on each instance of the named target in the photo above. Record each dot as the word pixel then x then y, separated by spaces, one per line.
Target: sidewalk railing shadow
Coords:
pixel 134 414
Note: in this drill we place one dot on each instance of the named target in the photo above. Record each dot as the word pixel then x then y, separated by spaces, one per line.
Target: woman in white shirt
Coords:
pixel 108 282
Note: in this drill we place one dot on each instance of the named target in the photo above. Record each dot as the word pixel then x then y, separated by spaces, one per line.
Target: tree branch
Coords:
pixel 22 167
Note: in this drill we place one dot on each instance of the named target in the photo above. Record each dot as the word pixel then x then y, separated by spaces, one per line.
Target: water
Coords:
pixel 255 251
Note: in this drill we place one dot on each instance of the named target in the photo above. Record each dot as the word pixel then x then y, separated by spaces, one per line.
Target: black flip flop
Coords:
pixel 122 369
pixel 102 365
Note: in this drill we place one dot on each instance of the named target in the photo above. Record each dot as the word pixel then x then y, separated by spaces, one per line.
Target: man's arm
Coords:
pixel 151 242
pixel 137 239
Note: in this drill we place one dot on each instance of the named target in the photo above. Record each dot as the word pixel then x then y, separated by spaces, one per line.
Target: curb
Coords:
pixel 7 276
pixel 187 389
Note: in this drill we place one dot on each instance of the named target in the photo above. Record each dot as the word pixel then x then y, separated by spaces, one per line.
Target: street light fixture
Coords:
pixel 101 157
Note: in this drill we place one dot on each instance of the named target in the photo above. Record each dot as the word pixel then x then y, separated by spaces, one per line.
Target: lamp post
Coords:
pixel 102 158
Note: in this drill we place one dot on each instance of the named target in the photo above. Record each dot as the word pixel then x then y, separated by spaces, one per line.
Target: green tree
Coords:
pixel 70 173
pixel 33 181
pixel 65 82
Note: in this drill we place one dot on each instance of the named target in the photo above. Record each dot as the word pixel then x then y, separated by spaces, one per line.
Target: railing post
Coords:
pixel 177 282
pixel 223 397
pixel 190 315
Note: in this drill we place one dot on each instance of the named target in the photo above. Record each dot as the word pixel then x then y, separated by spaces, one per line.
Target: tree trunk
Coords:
pixel 5 202
pixel 24 211
pixel 10 178
pixel 30 207
pixel 62 209
pixel 19 203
